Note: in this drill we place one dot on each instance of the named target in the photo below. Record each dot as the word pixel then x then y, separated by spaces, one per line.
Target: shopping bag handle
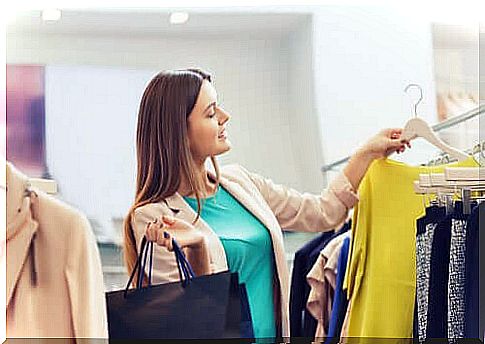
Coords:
pixel 186 272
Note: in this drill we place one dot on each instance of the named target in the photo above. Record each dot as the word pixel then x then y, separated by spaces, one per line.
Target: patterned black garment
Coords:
pixel 424 243
pixel 456 280
pixel 446 294
pixel 472 273
pixel 437 319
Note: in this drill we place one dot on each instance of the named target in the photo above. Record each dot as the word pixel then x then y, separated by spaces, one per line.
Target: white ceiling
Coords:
pixel 156 23
pixel 202 23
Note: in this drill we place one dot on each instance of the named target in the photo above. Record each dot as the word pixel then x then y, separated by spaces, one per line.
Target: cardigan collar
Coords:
pixel 177 203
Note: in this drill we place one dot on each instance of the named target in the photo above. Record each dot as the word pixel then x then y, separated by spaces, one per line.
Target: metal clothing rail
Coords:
pixel 479 110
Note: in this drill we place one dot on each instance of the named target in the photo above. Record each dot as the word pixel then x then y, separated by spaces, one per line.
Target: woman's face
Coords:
pixel 206 125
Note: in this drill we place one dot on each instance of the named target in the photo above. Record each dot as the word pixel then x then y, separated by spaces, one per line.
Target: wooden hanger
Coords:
pixel 465 176
pixel 47 185
pixel 417 127
pixel 454 180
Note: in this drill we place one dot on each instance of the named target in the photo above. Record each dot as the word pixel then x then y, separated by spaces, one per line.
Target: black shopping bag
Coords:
pixel 210 306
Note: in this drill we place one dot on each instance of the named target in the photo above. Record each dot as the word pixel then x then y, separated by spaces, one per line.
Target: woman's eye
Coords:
pixel 212 114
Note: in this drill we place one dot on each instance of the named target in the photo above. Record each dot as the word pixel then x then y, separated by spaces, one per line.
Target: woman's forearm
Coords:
pixel 357 167
pixel 198 257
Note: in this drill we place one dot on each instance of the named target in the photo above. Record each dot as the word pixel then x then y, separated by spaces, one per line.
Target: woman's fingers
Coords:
pixel 396 143
pixel 401 148
pixel 158 230
pixel 155 232
pixel 168 219
pixel 172 222
pixel 150 232
pixel 393 133
pixel 396 134
pixel 161 230
pixel 164 239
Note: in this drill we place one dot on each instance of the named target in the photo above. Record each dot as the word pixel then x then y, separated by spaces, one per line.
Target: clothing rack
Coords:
pixel 454 181
pixel 455 120
pixel 445 158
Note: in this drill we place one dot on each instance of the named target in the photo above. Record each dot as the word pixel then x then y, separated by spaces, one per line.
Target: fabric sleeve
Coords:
pixel 353 259
pixel 164 262
pixel 305 211
pixel 358 244
pixel 316 281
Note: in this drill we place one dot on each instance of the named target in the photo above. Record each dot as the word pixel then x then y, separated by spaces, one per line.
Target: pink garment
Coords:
pixel 54 277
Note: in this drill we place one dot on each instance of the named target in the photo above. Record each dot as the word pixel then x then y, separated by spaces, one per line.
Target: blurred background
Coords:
pixel 304 84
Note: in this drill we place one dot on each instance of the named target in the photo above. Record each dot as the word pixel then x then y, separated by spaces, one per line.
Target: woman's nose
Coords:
pixel 223 116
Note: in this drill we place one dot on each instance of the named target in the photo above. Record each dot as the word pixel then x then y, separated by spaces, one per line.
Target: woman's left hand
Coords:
pixel 384 143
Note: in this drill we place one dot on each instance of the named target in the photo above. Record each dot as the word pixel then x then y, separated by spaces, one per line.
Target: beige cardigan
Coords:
pixel 276 206
pixel 54 279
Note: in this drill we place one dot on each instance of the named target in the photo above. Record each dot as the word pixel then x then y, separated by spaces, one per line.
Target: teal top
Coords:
pixel 249 252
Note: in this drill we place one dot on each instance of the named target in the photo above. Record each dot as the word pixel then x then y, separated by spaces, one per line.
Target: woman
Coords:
pixel 229 218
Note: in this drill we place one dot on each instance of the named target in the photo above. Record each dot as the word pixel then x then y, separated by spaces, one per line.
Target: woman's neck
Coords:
pixel 200 172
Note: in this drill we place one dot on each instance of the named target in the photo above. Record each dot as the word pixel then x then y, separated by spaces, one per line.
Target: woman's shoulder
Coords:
pixel 234 170
pixel 151 210
pixel 239 174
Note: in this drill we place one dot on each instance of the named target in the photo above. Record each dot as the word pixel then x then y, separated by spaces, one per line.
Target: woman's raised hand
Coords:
pixel 163 229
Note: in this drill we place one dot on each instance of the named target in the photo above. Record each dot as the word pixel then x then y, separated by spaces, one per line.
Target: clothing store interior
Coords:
pixel 292 247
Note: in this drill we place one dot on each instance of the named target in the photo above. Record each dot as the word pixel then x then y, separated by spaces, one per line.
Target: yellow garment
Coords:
pixel 381 272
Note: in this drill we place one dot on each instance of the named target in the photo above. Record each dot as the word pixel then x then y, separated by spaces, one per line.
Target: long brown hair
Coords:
pixel 162 146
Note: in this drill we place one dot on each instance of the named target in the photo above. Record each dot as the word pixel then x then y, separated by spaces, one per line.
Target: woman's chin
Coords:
pixel 224 147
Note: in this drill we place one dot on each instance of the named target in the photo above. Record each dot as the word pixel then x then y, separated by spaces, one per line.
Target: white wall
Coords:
pixel 91 109
pixel 364 58
pixel 456 57
pixel 457 69
pixel 90 135
pixel 306 140
pixel 481 64
pixel 303 99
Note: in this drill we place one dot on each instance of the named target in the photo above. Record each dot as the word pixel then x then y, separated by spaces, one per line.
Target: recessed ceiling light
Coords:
pixel 51 14
pixel 179 17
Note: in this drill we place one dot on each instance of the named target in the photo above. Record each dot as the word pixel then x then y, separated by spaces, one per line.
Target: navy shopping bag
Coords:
pixel 204 307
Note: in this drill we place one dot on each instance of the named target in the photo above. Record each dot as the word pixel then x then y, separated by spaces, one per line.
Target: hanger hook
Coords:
pixel 420 96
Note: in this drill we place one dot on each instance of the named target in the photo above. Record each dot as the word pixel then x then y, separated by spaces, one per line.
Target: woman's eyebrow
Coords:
pixel 209 106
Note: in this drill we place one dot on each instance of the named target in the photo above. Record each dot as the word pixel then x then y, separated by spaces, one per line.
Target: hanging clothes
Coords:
pixel 322 281
pixel 54 279
pixel 446 307
pixel 381 272
pixel 425 226
pixel 302 323
pixel 456 278
pixel 472 273
pixel 437 322
pixel 340 302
